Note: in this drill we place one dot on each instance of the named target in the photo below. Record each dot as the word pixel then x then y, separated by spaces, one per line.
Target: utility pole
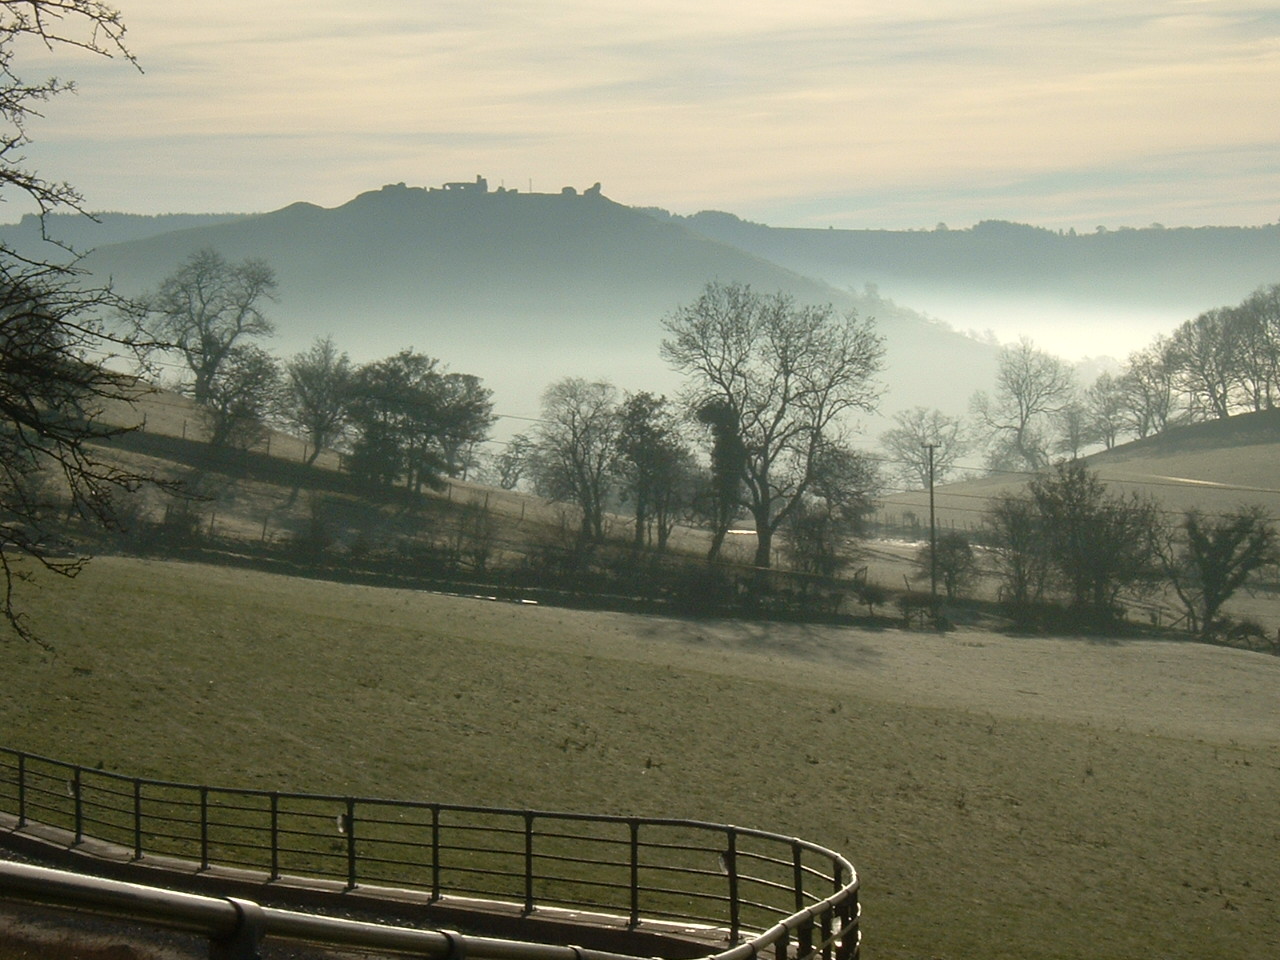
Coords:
pixel 933 537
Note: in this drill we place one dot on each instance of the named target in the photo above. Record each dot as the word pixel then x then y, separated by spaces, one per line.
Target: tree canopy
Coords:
pixel 786 374
pixel 205 309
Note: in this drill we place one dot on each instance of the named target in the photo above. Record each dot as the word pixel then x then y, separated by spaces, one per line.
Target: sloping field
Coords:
pixel 1214 467
pixel 1002 797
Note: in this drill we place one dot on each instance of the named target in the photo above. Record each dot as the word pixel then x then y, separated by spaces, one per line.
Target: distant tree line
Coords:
pixel 760 430
pixel 1223 362
pixel 769 385
pixel 758 433
pixel 403 419
pixel 1066 541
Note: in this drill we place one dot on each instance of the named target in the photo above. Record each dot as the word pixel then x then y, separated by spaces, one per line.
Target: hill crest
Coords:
pixel 521 289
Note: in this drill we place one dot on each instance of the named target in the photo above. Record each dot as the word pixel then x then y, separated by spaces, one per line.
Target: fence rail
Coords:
pixel 761 889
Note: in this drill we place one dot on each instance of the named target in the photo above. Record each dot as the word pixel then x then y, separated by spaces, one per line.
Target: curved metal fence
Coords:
pixel 761 889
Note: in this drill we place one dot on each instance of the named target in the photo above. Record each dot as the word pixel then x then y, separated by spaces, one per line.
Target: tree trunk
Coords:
pixel 717 541
pixel 764 544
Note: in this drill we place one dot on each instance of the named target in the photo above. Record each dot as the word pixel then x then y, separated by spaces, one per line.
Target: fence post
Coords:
pixel 79 807
pixel 804 945
pixel 137 818
pixel 22 789
pixel 528 861
pixel 275 835
pixel 797 874
pixel 204 827
pixel 634 920
pixel 731 868
pixel 435 851
pixel 350 824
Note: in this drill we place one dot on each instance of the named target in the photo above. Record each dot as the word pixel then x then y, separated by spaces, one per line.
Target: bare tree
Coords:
pixel 788 375
pixel 1203 352
pixel 1149 385
pixel 1104 403
pixel 1216 558
pixel 1019 553
pixel 1074 427
pixel 653 462
pixel 1255 334
pixel 241 397
pixel 1031 386
pixel 466 406
pixel 1067 536
pixel 513 462
pixel 575 448
pixel 56 345
pixel 833 510
pixel 1098 544
pixel 955 563
pixel 317 394
pixel 206 308
pixel 908 445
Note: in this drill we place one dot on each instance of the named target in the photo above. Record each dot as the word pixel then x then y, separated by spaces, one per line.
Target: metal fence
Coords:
pixel 761 889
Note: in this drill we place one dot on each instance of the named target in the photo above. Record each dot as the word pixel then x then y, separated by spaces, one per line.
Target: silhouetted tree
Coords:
pixel 1104 404
pixel 832 512
pixel 907 444
pixel 1019 552
pixel 56 345
pixel 466 407
pixel 956 563
pixel 206 308
pixel 513 462
pixel 1150 388
pixel 316 394
pixel 1031 386
pixel 1216 558
pixel 1203 353
pixel 1074 427
pixel 575 447
pixel 728 465
pixel 789 374
pixel 240 397
pixel 397 413
pixel 654 463
pixel 1097 545
pixel 1254 327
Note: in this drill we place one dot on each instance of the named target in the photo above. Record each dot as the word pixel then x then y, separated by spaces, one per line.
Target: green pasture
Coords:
pixel 1061 799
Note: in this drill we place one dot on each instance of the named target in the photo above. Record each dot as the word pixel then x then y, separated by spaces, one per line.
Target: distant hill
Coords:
pixel 521 289
pixel 83 233
pixel 1178 267
pixel 1049 285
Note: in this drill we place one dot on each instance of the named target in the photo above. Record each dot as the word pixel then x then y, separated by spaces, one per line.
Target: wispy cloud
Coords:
pixel 795 109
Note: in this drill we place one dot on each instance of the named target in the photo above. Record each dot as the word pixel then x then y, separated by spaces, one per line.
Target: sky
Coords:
pixel 894 114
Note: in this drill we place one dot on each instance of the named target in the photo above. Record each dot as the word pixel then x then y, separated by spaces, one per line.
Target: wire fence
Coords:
pixel 745 882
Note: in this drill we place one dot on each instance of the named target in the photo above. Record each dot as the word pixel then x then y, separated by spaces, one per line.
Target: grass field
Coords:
pixel 1002 797
pixel 1214 467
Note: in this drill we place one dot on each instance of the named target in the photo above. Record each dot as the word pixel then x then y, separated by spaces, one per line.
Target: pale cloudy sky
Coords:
pixel 852 113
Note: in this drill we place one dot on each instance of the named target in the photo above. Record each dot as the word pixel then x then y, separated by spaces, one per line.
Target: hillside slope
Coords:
pixel 1102 293
pixel 1151 267
pixel 1002 797
pixel 521 288
pixel 1214 467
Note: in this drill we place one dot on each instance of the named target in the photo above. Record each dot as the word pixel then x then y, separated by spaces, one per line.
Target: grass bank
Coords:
pixel 1001 797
